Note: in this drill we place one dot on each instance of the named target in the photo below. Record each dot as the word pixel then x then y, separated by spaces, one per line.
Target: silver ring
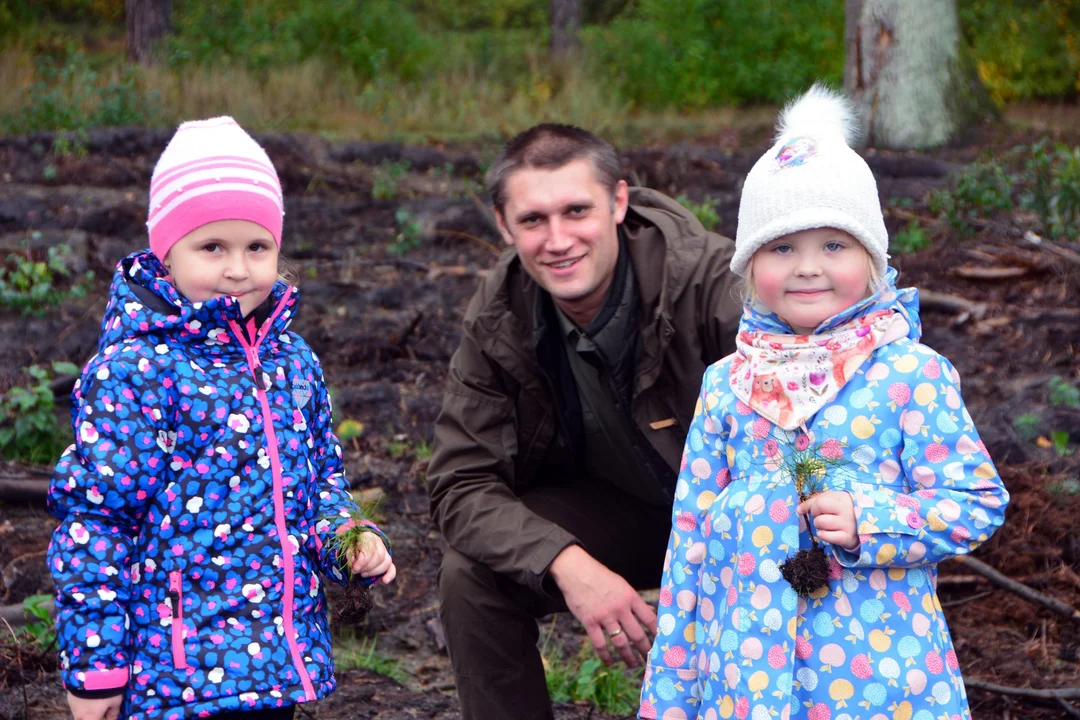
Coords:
pixel 615 632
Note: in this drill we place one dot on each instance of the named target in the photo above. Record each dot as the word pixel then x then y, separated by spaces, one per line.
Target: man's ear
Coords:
pixel 622 200
pixel 501 222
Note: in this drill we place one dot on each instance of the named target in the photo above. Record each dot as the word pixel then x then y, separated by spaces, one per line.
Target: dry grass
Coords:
pixel 462 104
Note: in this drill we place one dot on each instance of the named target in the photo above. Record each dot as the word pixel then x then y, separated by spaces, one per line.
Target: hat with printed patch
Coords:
pixel 211 170
pixel 811 178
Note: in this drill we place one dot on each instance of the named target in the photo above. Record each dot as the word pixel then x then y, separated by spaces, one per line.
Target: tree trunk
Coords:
pixel 148 21
pixel 565 23
pixel 908 73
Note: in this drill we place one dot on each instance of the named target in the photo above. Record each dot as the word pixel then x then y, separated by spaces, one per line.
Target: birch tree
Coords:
pixel 907 70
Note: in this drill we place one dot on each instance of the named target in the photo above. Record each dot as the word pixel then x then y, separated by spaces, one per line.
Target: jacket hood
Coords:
pixel 142 301
pixel 757 318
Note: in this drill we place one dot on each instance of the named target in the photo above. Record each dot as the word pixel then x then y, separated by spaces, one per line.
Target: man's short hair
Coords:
pixel 550 146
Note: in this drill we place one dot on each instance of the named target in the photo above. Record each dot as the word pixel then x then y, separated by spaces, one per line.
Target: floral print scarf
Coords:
pixel 787 378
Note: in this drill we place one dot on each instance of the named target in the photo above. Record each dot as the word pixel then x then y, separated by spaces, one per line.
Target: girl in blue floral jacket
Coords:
pixel 830 466
pixel 202 496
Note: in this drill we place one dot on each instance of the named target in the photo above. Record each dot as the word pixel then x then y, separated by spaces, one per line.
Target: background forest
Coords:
pixel 443 69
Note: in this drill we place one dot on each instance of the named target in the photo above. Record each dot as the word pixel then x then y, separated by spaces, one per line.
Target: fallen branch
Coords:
pixel 1047 694
pixel 953 303
pixel 15 615
pixel 969 598
pixel 1062 252
pixel 23 489
pixel 1032 596
pixel 997 272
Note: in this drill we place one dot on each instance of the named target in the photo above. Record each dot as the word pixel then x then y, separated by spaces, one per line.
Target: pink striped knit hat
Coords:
pixel 211 170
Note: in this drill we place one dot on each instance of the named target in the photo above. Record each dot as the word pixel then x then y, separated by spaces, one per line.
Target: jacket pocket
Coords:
pixel 177 597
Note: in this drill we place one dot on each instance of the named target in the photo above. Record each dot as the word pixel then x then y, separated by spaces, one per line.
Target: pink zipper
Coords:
pixel 251 352
pixel 179 657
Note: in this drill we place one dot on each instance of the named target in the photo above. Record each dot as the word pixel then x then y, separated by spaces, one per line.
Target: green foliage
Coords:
pixel 32 284
pixel 69 94
pixel 1062 393
pixel 386 177
pixel 981 189
pixel 350 653
pixel 1050 185
pixel 370 37
pixel 422 450
pixel 696 53
pixel 705 211
pixel 585 678
pixel 40 627
pixel 1027 426
pixel 1062 489
pixel 410 234
pixel 28 427
pixel 1024 48
pixel 1060 438
pixel 911 239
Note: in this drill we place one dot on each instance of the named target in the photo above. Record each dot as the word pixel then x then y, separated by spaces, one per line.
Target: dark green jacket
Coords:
pixel 498 433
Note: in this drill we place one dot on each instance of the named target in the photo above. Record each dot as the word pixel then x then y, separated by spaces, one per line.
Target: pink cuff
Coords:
pixel 106 679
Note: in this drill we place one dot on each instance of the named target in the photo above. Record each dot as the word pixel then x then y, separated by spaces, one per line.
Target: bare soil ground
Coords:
pixel 385 325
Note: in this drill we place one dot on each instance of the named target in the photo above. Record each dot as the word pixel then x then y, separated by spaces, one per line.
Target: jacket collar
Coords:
pixel 659 233
pixel 142 301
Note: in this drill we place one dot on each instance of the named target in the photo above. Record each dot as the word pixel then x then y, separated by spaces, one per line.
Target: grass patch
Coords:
pixel 351 652
pixel 613 689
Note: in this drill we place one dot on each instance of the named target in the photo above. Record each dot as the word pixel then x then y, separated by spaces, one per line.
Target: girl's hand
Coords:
pixel 96 708
pixel 834 518
pixel 372 559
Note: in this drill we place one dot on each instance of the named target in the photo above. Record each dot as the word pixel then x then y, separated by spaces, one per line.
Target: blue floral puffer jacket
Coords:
pixel 195 507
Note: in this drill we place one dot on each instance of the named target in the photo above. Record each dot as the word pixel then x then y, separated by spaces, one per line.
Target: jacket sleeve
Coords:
pixel 337 511
pixel 955 498
pixel 720 301
pixel 472 471
pixel 671 681
pixel 99 492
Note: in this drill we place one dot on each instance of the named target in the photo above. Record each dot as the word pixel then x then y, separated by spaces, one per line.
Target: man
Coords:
pixel 566 409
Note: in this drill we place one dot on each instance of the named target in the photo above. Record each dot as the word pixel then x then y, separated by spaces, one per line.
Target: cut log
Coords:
pixel 23 490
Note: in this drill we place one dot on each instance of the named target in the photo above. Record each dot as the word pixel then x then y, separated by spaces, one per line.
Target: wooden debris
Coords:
pixel 17 489
pixel 1047 694
pixel 999 272
pixel 1061 252
pixel 1032 596
pixel 953 303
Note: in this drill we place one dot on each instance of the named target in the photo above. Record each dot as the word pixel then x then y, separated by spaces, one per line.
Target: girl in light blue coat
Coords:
pixel 831 465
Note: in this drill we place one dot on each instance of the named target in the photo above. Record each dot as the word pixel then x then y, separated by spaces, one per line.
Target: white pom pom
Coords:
pixel 820 111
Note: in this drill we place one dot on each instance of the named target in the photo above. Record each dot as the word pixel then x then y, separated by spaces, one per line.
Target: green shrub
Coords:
pixel 69 94
pixel 1062 393
pixel 28 427
pixel 911 239
pixel 980 190
pixel 385 178
pixel 32 285
pixel 705 211
pixel 696 53
pixel 1050 185
pixel 410 234
pixel 1024 49
pixel 371 37
pixel 1027 426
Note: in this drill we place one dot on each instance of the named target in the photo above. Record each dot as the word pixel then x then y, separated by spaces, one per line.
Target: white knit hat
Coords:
pixel 211 170
pixel 811 178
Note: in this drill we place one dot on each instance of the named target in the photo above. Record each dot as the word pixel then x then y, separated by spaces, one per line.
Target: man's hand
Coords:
pixel 95 709
pixel 834 518
pixel 604 603
pixel 372 559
